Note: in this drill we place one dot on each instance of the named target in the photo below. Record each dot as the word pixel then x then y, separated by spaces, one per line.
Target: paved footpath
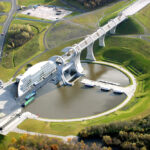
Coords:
pixel 64 138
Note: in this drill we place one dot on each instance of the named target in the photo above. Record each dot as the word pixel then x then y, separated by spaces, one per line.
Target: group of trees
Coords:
pixel 18 35
pixel 133 135
pixel 94 3
pixel 1 7
pixel 28 142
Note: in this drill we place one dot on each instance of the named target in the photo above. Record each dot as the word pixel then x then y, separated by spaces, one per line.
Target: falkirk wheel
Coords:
pixel 69 65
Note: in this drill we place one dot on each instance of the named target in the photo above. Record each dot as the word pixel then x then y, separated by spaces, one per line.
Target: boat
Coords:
pixel 28 101
pixel 105 89
pixel 117 92
pixel 89 85
pixel 33 93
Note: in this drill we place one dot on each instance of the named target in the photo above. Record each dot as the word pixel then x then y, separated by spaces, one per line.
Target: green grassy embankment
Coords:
pixel 129 26
pixel 42 2
pixel 3 18
pixel 114 12
pixel 130 53
pixel 20 16
pixel 13 59
pixel 144 17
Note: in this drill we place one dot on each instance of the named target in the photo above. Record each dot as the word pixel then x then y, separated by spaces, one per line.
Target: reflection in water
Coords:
pixel 73 102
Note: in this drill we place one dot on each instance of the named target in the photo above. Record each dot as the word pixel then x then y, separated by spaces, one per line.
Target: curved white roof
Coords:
pixel 35 74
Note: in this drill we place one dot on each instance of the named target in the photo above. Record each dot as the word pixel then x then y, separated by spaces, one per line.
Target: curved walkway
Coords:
pixel 64 138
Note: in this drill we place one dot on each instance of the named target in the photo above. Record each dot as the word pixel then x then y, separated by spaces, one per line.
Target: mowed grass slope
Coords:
pixel 2 18
pixel 65 31
pixel 129 26
pixel 130 53
pixel 13 59
pixel 42 2
pixel 144 17
pixel 16 56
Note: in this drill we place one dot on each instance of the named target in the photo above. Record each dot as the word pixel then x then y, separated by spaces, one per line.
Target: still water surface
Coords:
pixel 77 101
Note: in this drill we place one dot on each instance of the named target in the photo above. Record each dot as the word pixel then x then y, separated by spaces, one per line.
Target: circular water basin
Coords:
pixel 67 102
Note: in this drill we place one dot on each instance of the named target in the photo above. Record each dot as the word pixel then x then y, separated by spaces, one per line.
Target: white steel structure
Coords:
pixel 34 75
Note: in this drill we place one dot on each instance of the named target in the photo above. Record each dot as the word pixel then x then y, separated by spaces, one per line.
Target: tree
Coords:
pixel 107 140
pixel 1 7
pixel 54 147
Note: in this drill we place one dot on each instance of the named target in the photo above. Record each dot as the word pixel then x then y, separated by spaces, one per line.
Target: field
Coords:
pixel 65 31
pixel 143 17
pixel 13 59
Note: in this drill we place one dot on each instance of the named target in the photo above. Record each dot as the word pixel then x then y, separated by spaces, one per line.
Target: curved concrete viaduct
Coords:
pixel 71 58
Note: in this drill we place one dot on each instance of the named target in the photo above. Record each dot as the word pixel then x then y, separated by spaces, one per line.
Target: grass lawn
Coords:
pixel 6 6
pixel 18 15
pixel 131 55
pixel 52 52
pixel 42 2
pixel 129 26
pixel 19 55
pixel 12 60
pixel 65 31
pixel 3 18
pixel 144 17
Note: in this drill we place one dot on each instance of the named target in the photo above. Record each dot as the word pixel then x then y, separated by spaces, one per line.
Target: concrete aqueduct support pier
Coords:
pixel 113 30
pixel 102 41
pixel 90 54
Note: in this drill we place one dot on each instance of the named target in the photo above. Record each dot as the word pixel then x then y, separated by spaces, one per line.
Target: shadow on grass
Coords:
pixel 2 137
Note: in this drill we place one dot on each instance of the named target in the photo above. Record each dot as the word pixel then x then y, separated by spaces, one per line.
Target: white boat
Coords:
pixel 106 89
pixel 89 85
pixel 117 92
